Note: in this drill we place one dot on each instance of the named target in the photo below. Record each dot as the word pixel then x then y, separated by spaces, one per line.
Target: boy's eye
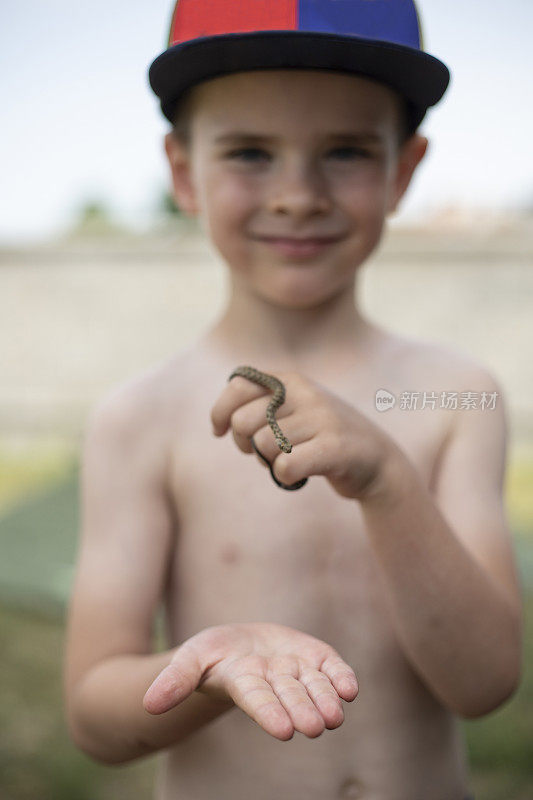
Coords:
pixel 248 153
pixel 257 154
pixel 345 153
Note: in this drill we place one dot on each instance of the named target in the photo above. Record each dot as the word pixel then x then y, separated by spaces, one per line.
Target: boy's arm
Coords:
pixel 448 562
pixel 125 545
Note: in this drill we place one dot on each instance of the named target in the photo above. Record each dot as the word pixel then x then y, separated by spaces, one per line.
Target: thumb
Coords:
pixel 174 683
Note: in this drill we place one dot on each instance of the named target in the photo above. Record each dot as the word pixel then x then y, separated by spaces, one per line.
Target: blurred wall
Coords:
pixel 79 316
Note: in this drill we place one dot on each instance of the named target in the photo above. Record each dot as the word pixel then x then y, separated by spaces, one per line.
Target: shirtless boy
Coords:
pixel 323 642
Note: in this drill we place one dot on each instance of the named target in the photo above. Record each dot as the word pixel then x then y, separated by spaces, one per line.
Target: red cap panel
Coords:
pixel 230 16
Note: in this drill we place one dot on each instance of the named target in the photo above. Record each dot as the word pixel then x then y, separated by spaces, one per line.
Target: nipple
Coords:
pixel 230 553
pixel 350 790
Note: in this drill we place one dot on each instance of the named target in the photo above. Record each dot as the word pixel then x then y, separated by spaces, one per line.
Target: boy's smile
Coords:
pixel 298 247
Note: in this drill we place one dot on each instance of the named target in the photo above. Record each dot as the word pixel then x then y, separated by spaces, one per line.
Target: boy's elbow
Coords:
pixel 483 706
pixel 99 756
pixel 86 744
pixel 506 683
pixel 81 742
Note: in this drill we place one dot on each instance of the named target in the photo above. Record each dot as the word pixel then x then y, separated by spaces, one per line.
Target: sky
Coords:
pixel 79 121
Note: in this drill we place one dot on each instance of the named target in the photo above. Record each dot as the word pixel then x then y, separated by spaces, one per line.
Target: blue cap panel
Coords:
pixel 387 20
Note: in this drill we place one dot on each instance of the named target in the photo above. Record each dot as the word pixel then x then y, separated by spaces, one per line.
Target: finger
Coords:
pixel 238 392
pixel 307 458
pixel 294 698
pixel 255 696
pixel 247 420
pixel 341 676
pixel 297 427
pixel 324 696
pixel 174 683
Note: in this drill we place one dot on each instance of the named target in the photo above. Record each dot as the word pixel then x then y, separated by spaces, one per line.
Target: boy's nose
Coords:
pixel 299 191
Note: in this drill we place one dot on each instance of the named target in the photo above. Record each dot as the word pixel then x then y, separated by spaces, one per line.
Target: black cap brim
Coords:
pixel 421 78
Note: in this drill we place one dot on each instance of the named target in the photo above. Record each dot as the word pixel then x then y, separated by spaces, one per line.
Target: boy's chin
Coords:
pixel 299 300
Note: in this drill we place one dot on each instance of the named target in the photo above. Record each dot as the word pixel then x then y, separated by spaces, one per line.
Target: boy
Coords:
pixel 388 577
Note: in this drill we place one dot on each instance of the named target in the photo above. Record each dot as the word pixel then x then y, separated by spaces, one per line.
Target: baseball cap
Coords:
pixel 378 39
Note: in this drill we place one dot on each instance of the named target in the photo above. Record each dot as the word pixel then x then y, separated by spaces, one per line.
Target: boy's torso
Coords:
pixel 245 550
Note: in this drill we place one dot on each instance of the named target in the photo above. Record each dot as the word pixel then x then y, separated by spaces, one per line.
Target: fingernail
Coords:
pixel 349 685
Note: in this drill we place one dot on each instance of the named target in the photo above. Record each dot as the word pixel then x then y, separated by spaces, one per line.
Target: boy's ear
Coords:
pixel 409 157
pixel 180 166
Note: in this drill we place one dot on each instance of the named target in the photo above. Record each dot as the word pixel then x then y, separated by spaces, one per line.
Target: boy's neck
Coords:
pixel 253 330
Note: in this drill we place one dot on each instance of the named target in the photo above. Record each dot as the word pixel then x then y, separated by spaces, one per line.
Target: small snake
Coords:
pixel 277 387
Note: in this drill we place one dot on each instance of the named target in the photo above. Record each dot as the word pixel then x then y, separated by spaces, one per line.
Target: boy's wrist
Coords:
pixel 391 481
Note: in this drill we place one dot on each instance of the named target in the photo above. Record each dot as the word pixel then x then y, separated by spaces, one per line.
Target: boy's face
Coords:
pixel 293 154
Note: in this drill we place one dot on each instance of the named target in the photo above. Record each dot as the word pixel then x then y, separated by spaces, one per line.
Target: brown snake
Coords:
pixel 278 388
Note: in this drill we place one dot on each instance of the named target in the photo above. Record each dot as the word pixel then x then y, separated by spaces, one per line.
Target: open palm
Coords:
pixel 285 680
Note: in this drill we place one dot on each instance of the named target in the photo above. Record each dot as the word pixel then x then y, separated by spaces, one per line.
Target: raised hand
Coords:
pixel 285 680
pixel 329 437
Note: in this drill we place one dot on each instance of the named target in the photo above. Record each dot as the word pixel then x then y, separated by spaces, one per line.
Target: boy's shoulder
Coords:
pixel 443 363
pixel 140 404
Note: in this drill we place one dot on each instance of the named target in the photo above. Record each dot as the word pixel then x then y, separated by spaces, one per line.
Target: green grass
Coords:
pixel 37 758
pixel 519 495
pixel 39 543
pixel 23 472
pixel 38 540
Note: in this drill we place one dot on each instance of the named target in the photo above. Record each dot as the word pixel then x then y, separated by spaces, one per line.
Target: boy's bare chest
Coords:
pixel 246 550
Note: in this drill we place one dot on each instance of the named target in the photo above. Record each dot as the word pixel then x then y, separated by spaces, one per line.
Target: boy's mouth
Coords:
pixel 298 246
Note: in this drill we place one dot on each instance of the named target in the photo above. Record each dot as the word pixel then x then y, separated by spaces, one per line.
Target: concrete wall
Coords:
pixel 79 316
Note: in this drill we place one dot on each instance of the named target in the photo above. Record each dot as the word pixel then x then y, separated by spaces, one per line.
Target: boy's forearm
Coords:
pixel 456 627
pixel 108 720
